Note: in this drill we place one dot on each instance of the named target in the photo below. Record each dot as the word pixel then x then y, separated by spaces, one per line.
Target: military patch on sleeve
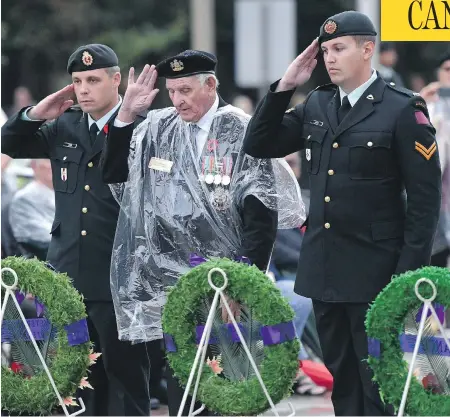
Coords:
pixel 421 119
pixel 289 110
pixel 427 153
pixel 420 104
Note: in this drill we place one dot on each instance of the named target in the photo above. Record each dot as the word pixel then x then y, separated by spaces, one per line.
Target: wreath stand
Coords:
pixel 201 351
pixel 427 307
pixel 9 291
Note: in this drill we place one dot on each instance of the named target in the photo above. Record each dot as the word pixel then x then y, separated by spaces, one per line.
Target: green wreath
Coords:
pixel 252 288
pixel 69 367
pixel 384 325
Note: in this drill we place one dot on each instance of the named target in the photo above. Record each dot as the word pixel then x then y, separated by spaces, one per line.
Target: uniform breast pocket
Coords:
pixel 65 166
pixel 314 137
pixel 369 155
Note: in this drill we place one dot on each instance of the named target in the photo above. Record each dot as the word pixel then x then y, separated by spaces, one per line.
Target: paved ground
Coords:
pixel 303 405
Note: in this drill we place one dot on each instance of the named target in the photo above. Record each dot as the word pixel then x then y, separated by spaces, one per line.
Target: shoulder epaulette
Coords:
pixel 402 90
pixel 418 101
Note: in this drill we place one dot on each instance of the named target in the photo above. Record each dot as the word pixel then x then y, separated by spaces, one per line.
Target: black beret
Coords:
pixel 92 57
pixel 444 57
pixel 187 63
pixel 346 24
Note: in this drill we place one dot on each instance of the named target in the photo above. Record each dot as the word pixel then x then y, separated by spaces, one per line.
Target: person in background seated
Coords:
pixel 32 211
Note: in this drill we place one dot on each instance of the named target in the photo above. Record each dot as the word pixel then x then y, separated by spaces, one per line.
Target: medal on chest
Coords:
pixel 214 171
pixel 220 199
pixel 227 167
pixel 207 173
pixel 217 175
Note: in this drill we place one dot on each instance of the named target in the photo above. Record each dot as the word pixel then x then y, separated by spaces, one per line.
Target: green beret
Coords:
pixel 187 63
pixel 92 57
pixel 346 24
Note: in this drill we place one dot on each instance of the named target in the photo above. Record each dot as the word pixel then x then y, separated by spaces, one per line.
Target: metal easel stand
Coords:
pixel 10 293
pixel 201 351
pixel 427 307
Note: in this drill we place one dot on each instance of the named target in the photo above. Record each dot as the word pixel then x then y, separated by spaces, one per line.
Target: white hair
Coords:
pixel 203 77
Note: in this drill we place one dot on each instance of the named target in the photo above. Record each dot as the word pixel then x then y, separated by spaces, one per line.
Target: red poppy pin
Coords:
pixel 212 145
pixel 106 129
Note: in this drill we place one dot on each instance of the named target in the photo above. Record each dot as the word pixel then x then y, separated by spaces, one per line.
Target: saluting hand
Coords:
pixel 430 93
pixel 300 70
pixel 139 95
pixel 53 105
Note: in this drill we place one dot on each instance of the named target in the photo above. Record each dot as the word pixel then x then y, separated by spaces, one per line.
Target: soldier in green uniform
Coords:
pixel 375 184
pixel 72 137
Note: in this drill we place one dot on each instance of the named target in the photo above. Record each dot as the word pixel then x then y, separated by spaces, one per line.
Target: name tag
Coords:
pixel 160 164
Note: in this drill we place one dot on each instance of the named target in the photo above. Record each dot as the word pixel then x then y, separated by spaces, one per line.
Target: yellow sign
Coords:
pixel 415 20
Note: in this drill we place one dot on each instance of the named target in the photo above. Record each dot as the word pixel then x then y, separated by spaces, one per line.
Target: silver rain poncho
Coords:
pixel 166 217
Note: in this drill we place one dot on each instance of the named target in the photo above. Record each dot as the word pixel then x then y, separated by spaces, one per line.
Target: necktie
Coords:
pixel 193 131
pixel 93 130
pixel 344 109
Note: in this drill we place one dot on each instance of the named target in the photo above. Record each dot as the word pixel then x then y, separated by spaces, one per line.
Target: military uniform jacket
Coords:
pixel 85 210
pixel 375 185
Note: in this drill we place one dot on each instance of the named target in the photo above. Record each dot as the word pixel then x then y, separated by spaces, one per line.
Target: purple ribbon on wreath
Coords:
pixel 77 332
pixel 440 312
pixel 271 335
pixel 429 345
pixel 20 297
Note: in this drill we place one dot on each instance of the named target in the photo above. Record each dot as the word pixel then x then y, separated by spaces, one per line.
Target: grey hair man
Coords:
pixel 186 190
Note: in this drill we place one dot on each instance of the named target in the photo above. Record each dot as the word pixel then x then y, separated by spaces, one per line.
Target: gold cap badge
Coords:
pixel 330 27
pixel 87 58
pixel 177 65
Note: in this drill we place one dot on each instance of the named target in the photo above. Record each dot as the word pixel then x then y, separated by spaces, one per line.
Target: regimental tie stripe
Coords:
pixel 427 153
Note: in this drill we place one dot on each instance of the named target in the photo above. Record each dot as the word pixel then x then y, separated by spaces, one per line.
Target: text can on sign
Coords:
pixel 415 20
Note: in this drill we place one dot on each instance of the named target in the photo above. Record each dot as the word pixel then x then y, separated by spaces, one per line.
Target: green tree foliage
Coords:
pixel 39 35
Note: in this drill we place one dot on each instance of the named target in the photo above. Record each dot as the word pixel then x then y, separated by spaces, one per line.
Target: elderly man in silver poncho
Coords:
pixel 186 189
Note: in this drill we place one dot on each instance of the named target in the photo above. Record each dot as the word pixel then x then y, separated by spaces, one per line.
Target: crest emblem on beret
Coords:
pixel 177 65
pixel 87 58
pixel 330 27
